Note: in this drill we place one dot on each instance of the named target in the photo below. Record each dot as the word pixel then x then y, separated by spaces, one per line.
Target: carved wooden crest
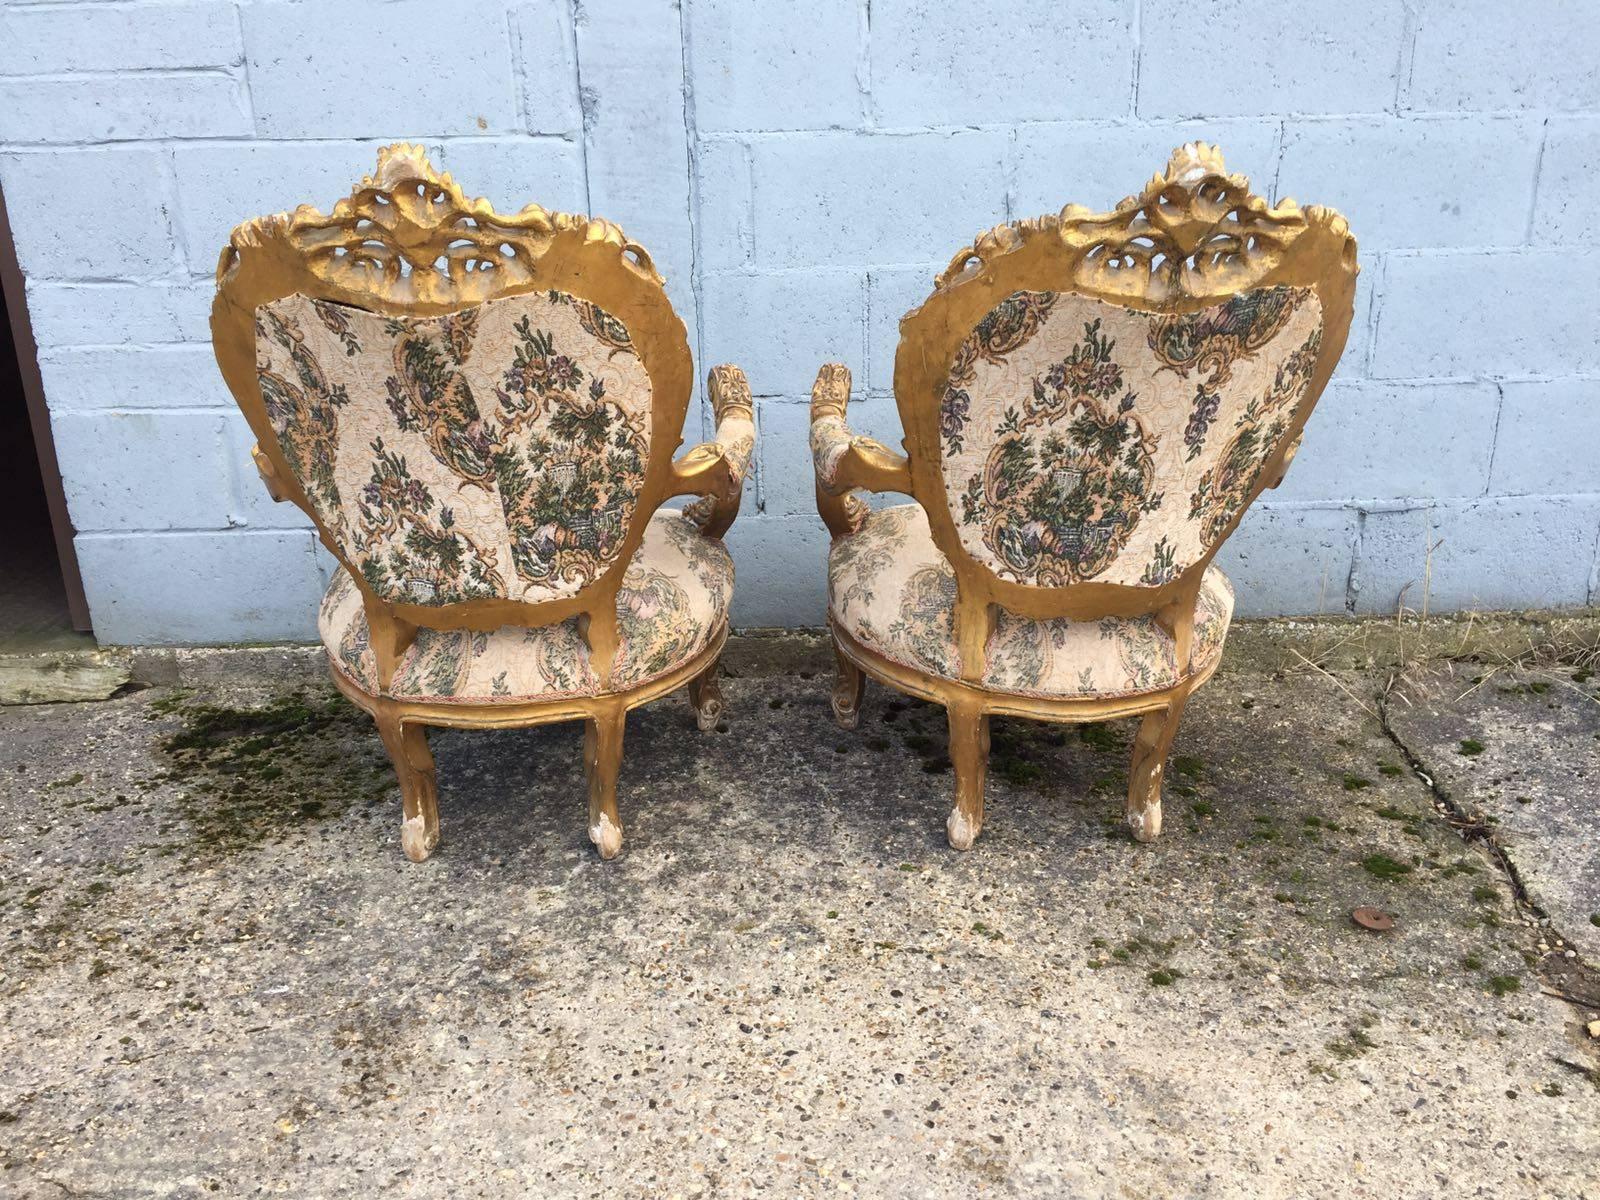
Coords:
pixel 1194 231
pixel 407 233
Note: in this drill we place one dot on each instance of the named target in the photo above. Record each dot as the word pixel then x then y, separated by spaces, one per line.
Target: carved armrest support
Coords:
pixel 268 473
pixel 845 461
pixel 716 470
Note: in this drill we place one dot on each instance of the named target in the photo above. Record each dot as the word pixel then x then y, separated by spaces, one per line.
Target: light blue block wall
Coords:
pixel 799 172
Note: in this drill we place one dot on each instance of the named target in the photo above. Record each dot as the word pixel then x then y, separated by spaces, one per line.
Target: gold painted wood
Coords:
pixel 408 243
pixel 1192 238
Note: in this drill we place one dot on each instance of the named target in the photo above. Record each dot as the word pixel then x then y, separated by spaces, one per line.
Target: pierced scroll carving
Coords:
pixel 408 233
pixel 1194 231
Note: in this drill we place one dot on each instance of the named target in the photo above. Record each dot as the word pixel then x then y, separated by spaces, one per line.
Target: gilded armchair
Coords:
pixel 1091 402
pixel 478 412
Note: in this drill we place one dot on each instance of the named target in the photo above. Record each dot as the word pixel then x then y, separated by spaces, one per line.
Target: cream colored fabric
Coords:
pixel 830 439
pixel 674 598
pixel 494 452
pixel 736 439
pixel 891 589
pixel 1084 440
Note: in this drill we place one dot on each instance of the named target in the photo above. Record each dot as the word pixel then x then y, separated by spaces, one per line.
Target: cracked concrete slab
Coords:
pixel 221 977
pixel 1519 749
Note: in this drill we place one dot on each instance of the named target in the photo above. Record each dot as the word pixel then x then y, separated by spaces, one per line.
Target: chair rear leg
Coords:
pixel 407 745
pixel 602 759
pixel 1150 750
pixel 705 695
pixel 969 755
pixel 849 685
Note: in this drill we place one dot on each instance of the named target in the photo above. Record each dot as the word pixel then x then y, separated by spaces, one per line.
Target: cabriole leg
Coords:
pixel 1150 750
pixel 849 685
pixel 602 759
pixel 407 745
pixel 969 755
pixel 705 695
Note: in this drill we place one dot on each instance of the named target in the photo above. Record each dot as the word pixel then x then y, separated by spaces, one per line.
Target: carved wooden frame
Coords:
pixel 1193 237
pixel 407 243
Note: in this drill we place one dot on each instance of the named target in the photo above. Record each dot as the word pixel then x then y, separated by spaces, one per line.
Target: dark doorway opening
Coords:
pixel 42 604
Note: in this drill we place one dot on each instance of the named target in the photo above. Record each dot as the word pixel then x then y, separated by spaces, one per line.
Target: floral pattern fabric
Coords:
pixel 497 451
pixel 1083 440
pixel 736 439
pixel 830 440
pixel 673 600
pixel 891 589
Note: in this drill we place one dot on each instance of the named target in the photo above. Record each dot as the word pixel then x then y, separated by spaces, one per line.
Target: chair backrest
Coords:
pixel 478 411
pixel 1092 401
pixel 495 452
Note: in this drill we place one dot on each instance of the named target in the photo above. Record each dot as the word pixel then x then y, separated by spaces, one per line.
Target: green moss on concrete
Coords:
pixel 1099 736
pixel 1381 866
pixel 251 775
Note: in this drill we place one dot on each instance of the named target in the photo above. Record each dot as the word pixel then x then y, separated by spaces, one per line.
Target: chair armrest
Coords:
pixel 715 470
pixel 268 473
pixel 845 461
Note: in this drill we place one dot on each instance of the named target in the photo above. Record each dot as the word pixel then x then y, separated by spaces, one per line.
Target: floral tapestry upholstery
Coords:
pixel 891 589
pixel 830 439
pixel 1084 440
pixel 494 452
pixel 673 600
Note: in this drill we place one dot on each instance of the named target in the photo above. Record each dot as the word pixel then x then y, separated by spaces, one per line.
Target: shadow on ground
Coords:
pixel 222 977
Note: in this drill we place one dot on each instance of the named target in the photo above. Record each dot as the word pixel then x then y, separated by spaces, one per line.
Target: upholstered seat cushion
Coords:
pixel 674 600
pixel 891 589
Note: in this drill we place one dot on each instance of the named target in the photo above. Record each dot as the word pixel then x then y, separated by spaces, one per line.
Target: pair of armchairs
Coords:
pixel 479 412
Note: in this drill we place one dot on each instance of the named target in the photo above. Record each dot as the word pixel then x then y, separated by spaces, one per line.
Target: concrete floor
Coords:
pixel 221 977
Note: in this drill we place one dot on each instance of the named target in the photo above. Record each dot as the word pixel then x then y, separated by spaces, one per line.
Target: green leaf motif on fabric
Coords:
pixel 478 454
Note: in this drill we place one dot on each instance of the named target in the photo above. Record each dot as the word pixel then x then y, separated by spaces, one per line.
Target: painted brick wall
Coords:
pixel 800 171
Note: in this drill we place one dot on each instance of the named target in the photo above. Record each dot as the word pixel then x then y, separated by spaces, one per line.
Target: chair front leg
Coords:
pixel 705 695
pixel 969 755
pixel 602 760
pixel 407 745
pixel 1150 750
pixel 849 685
